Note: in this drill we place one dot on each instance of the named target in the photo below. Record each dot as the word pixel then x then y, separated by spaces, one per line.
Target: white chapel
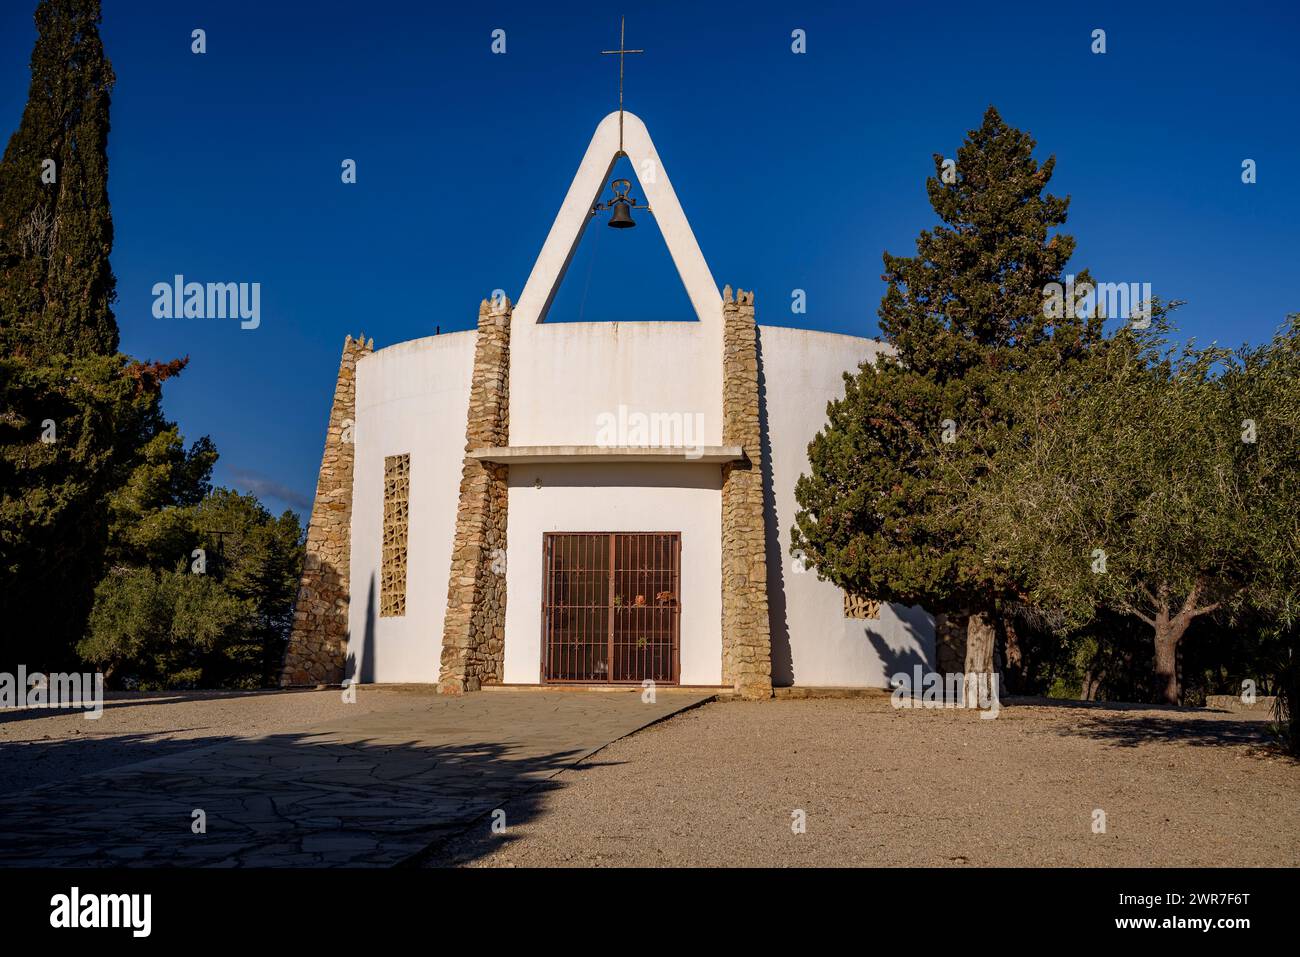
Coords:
pixel 533 503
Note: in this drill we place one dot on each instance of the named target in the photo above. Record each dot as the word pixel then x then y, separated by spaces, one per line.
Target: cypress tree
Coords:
pixel 881 510
pixel 56 229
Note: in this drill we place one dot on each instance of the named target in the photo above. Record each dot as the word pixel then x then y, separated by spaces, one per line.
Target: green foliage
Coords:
pixel 259 560
pixel 1154 481
pixel 1140 454
pixel 164 628
pixel 56 284
pixel 1064 444
pixel 101 504
pixel 170 625
pixel 975 285
pixel 1110 658
pixel 116 489
pixel 69 431
pixel 1126 456
pixel 58 337
pixel 147 524
pixel 879 511
pixel 1262 386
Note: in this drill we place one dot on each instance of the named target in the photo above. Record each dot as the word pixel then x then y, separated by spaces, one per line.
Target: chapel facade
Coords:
pixel 535 503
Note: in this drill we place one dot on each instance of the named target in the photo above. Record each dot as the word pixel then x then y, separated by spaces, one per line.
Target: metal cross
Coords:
pixel 621 52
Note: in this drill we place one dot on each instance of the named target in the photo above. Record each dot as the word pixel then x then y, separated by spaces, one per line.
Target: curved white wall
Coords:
pixel 411 398
pixel 812 642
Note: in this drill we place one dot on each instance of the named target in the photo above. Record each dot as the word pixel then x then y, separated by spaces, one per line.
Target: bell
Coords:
pixel 621 217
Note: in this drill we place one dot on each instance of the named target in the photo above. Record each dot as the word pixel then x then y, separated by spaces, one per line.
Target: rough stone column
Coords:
pixel 473 636
pixel 746 642
pixel 318 641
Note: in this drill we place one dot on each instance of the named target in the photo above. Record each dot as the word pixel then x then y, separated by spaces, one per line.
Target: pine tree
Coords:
pixel 976 284
pixel 56 229
pixel 880 509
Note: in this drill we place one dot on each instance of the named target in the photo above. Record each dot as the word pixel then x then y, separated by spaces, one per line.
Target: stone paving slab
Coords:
pixel 374 790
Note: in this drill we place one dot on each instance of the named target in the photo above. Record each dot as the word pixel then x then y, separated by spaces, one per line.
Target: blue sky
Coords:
pixel 796 171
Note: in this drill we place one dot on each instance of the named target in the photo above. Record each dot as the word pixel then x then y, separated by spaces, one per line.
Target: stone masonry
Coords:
pixel 473 637
pixel 318 641
pixel 746 642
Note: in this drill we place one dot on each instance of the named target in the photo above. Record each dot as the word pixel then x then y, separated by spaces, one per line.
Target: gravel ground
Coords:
pixel 718 786
pixel 39 746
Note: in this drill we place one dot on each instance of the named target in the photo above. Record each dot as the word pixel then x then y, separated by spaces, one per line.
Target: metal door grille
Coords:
pixel 611 607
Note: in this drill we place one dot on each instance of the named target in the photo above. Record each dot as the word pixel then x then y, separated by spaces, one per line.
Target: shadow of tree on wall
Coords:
pixel 777 621
pixel 285 800
pixel 363 671
pixel 893 658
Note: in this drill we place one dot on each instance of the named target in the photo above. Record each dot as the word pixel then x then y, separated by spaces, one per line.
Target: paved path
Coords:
pixel 371 790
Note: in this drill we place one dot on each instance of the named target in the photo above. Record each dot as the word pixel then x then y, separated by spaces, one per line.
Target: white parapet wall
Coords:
pixel 566 378
pixel 412 398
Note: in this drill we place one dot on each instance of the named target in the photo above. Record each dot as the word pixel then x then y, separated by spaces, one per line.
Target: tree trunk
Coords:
pixel 1168 632
pixel 981 635
pixel 1013 664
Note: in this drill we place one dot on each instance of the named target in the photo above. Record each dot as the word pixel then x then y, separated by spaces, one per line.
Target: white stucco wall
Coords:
pixel 812 642
pixel 683 498
pixel 564 375
pixel 411 398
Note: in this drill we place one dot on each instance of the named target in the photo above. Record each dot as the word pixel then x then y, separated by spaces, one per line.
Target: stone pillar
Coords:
pixel 746 642
pixel 318 641
pixel 473 636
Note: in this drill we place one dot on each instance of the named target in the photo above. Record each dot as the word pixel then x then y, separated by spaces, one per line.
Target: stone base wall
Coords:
pixel 746 641
pixel 318 642
pixel 473 639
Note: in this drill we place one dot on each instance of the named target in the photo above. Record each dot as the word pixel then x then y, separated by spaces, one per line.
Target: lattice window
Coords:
pixel 856 606
pixel 397 494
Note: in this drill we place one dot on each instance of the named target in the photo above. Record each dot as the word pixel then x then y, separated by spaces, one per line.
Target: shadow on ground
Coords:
pixel 1130 732
pixel 282 800
pixel 136 699
pixel 1128 724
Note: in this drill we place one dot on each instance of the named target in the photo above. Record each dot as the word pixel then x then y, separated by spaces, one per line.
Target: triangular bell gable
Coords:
pixel 588 184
